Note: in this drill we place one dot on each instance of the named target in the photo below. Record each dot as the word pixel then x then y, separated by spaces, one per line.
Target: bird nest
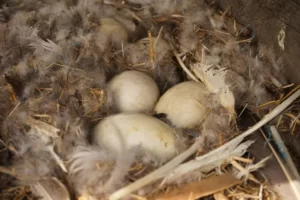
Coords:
pixel 59 59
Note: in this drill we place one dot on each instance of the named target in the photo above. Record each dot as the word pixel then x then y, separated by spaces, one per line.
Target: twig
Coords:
pixel 158 36
pixel 279 121
pixel 162 171
pixel 291 92
pixel 243 110
pixel 244 160
pixel 241 168
pixel 57 159
pixel 123 53
pixel 139 20
pixel 220 139
pixel 5 146
pixel 287 86
pixel 189 73
pixel 8 171
pixel 151 52
pixel 13 110
pixel 295 119
pixel 261 189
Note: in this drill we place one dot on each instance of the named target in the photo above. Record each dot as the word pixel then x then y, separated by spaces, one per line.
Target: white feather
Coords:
pixel 85 158
pixel 96 171
pixel 206 163
pixel 211 75
pixel 42 133
pixel 57 159
pixel 50 189
pixel 41 46
pixel 214 78
pixel 26 34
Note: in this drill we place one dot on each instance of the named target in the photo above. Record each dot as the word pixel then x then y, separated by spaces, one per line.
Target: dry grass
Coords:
pixel 59 93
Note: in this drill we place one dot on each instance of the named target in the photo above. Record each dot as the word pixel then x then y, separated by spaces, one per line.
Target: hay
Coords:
pixel 57 58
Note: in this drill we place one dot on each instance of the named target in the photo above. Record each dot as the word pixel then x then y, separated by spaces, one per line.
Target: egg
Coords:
pixel 184 104
pixel 136 130
pixel 133 91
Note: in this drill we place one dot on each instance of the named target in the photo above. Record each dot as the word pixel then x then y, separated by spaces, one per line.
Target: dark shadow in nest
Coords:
pixel 6 181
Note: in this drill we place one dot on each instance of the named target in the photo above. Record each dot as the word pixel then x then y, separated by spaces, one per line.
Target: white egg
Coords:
pixel 133 91
pixel 136 130
pixel 184 104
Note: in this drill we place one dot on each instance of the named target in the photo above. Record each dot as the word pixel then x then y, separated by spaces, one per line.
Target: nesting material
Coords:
pixel 154 55
pixel 200 189
pixel 184 104
pixel 168 167
pixel 128 131
pixel 214 79
pixel 111 30
pixel 83 78
pixel 50 189
pixel 133 91
pixel 158 49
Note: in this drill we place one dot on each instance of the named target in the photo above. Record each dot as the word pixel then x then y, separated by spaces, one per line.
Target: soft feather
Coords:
pixel 32 145
pixel 97 172
pixel 50 189
pixel 60 57
pixel 205 163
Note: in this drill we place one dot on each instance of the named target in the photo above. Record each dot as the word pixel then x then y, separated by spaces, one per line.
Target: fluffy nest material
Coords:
pixel 57 57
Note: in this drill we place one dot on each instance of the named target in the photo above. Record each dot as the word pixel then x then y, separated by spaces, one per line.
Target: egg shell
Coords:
pixel 136 130
pixel 184 104
pixel 133 91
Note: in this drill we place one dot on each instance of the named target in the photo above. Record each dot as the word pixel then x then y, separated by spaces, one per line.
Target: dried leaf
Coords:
pixel 200 189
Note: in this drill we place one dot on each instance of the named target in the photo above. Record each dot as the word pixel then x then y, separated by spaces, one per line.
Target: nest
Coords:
pixel 57 59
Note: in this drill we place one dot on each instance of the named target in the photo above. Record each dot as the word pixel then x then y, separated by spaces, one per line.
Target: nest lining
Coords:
pixel 57 58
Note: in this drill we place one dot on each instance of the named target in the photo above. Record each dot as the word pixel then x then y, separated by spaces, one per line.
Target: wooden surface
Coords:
pixel 269 17
pixel 278 181
pixel 272 170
